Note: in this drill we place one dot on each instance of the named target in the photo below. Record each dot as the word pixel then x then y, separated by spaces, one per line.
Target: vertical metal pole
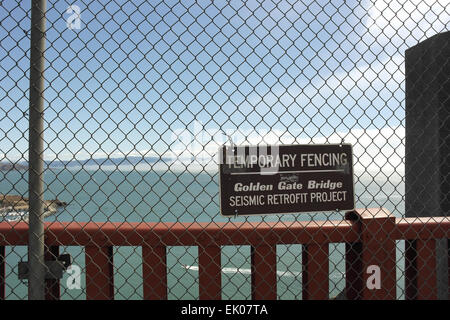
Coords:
pixel 36 263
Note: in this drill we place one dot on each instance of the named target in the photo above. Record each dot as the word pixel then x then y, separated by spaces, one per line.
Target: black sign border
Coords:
pixel 220 154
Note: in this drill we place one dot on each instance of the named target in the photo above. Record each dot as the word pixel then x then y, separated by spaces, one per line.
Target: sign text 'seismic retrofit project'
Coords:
pixel 285 179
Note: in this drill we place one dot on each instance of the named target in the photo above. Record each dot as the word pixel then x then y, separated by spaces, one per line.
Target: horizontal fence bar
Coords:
pixel 183 234
pixel 236 233
pixel 422 228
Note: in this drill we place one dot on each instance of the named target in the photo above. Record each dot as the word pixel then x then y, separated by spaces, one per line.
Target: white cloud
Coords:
pixel 395 20
pixel 375 151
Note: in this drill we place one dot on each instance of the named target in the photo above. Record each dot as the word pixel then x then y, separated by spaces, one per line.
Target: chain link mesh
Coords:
pixel 140 95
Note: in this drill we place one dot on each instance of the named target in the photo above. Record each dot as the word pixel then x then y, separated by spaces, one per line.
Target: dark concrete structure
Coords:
pixel 427 166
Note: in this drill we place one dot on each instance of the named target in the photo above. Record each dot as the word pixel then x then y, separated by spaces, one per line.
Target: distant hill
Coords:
pixel 131 160
pixel 7 166
pixel 119 161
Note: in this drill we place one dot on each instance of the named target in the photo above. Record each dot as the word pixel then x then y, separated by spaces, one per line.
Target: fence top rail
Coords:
pixel 422 228
pixel 183 233
pixel 215 233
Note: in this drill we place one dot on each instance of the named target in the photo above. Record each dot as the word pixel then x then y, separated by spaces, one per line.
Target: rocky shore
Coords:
pixel 16 207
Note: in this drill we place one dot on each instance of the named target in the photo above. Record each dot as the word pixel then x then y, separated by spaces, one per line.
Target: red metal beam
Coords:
pixel 315 275
pixel 154 272
pixel 13 234
pixel 210 273
pixel 99 273
pixel 264 273
pixel 183 234
pixel 229 233
pixel 422 228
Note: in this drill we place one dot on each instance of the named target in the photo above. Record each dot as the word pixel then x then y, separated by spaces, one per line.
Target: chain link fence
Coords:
pixel 140 95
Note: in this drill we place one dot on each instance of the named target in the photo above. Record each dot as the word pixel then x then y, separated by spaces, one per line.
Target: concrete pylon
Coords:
pixel 427 164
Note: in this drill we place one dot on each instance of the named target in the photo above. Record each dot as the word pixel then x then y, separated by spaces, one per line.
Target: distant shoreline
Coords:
pixel 12 166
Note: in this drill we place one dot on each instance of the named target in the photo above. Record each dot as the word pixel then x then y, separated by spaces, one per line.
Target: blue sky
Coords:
pixel 138 71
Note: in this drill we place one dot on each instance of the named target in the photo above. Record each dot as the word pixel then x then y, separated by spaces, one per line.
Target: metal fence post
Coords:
pixel 36 263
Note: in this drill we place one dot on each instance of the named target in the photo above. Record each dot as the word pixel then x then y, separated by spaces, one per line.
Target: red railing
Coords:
pixel 369 235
